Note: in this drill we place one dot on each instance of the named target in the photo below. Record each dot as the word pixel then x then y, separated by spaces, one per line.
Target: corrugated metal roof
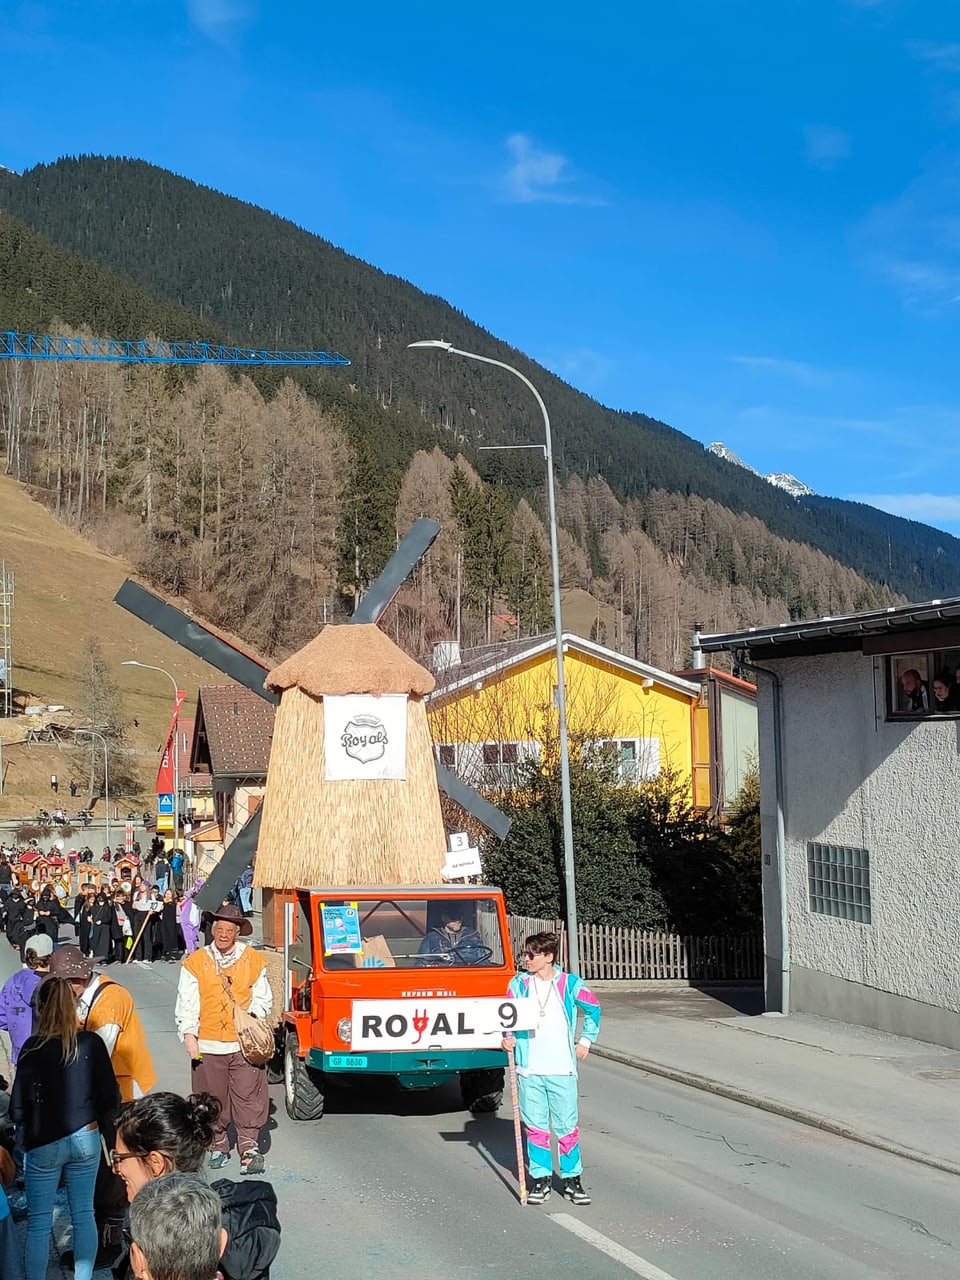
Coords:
pixel 874 622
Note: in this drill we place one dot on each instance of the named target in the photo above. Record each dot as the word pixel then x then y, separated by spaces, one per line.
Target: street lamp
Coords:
pixel 569 871
pixel 145 666
pixel 92 733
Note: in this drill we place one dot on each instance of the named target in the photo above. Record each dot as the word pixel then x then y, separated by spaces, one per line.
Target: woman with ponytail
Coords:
pixel 63 1091
pixel 165 1133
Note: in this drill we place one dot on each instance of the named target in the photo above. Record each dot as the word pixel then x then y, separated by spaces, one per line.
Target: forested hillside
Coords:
pixel 270 501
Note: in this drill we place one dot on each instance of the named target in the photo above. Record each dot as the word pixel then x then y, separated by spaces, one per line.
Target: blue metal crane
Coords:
pixel 34 346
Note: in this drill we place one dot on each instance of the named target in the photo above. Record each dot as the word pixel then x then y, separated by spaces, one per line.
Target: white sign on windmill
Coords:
pixel 463 858
pixel 365 737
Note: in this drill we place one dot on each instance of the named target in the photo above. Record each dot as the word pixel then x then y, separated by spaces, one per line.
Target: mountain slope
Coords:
pixel 261 279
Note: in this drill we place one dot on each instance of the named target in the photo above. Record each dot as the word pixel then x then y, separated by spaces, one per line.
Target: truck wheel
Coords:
pixel 482 1090
pixel 302 1093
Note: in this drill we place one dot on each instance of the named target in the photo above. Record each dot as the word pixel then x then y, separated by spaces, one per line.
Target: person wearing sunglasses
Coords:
pixel 164 1133
pixel 546 1059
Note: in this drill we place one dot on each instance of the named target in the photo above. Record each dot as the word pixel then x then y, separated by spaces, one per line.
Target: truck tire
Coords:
pixel 482 1090
pixel 302 1090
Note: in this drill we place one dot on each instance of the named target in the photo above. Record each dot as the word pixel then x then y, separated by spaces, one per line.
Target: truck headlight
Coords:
pixel 345 1029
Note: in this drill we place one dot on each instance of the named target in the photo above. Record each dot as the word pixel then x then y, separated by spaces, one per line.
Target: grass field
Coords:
pixel 64 590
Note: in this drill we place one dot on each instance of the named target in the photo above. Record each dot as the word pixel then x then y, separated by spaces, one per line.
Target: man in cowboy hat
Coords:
pixel 211 979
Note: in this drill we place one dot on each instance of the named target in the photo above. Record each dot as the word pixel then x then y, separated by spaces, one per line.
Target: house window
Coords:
pixel 923 684
pixel 839 881
pixel 493 765
pixel 635 759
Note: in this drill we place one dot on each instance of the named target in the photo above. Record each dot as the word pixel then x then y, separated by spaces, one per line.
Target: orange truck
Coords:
pixel 401 982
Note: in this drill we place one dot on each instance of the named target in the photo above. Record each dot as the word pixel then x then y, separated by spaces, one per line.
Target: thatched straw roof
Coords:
pixel 354 658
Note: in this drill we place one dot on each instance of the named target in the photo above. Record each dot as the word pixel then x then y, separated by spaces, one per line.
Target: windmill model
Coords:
pixel 353 790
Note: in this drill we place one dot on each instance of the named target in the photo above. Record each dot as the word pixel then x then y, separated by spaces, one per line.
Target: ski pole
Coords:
pixel 517 1132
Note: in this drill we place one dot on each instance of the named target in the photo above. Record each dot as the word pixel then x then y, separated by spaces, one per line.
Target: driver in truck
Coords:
pixel 450 943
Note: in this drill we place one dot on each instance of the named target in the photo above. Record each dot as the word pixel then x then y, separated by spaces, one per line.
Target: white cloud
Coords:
pixel 538 175
pixel 825 146
pixel 794 370
pixel 913 241
pixel 221 19
pixel 945 56
pixel 930 508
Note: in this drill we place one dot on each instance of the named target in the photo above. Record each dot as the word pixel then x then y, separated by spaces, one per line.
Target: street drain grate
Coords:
pixel 944 1073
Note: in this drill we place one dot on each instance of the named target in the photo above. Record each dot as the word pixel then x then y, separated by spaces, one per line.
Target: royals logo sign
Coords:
pixel 365 737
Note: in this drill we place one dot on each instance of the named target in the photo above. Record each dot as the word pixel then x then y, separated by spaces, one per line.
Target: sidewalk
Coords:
pixel 898 1095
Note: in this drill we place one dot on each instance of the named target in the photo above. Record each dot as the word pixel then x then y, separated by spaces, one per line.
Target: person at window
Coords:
pixel 914 691
pixel 946 698
pixel 450 943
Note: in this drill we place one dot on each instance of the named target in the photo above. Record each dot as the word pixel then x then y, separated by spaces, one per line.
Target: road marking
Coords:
pixel 625 1257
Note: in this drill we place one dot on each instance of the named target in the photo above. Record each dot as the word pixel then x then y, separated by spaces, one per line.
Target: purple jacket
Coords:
pixel 16 1014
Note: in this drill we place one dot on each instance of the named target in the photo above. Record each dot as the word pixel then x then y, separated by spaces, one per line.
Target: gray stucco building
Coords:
pixel 860 815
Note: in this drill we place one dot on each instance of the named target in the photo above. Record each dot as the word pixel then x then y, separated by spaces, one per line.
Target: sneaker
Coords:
pixel 539 1190
pixel 251 1161
pixel 218 1159
pixel 573 1191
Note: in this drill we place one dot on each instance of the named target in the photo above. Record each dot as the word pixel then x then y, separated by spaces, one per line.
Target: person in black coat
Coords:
pixel 82 912
pixel 14 910
pixel 101 920
pixel 49 914
pixel 171 945
pixel 26 924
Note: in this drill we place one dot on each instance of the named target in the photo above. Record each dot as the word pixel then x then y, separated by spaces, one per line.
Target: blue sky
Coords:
pixel 739 216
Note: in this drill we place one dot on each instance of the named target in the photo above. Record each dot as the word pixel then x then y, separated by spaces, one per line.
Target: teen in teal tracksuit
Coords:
pixel 547 1065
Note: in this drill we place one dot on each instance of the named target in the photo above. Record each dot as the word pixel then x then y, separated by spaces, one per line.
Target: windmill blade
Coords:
pixel 414 545
pixel 474 803
pixel 231 866
pixel 190 635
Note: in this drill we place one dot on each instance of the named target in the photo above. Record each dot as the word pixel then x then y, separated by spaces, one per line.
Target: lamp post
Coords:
pixel 92 733
pixel 569 870
pixel 145 666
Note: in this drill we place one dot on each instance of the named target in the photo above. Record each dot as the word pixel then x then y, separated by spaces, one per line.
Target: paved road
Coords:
pixel 687 1187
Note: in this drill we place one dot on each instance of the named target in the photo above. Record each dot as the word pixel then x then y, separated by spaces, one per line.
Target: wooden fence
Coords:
pixel 614 953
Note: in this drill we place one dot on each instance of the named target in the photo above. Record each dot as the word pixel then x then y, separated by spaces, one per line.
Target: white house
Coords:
pixel 860 814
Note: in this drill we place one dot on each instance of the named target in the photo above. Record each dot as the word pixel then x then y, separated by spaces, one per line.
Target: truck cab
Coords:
pixel 402 982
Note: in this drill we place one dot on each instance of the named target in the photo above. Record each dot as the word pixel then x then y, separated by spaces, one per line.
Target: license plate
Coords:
pixel 346 1061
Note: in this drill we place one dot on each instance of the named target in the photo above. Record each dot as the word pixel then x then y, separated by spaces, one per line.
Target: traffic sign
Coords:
pixel 165 803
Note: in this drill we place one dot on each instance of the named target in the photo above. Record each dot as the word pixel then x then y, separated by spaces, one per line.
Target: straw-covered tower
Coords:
pixel 351 793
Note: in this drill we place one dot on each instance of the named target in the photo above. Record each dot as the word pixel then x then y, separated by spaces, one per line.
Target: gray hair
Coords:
pixel 175 1221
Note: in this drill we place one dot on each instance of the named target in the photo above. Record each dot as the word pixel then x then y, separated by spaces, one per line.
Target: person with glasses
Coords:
pixel 64 1091
pixel 164 1133
pixel 546 1059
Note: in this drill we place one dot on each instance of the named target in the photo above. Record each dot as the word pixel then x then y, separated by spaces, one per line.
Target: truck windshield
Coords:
pixel 411 933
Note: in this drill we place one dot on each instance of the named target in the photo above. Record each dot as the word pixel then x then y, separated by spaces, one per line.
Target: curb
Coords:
pixel 798 1114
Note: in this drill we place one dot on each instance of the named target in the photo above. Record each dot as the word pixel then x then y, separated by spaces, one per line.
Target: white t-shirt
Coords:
pixel 549 1053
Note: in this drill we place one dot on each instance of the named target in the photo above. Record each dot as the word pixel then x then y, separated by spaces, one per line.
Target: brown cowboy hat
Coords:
pixel 232 915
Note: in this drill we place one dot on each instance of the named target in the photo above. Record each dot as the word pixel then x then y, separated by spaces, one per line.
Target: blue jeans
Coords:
pixel 246 898
pixel 77 1156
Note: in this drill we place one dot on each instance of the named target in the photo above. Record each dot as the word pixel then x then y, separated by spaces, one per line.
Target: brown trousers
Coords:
pixel 241 1090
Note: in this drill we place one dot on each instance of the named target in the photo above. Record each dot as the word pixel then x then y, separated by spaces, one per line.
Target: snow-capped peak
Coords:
pixel 796 488
pixel 780 479
pixel 721 451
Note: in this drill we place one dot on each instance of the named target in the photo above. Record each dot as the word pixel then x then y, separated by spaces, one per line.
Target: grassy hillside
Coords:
pixel 64 592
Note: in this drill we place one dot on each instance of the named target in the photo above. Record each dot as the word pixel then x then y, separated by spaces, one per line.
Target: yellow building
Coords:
pixel 494 709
